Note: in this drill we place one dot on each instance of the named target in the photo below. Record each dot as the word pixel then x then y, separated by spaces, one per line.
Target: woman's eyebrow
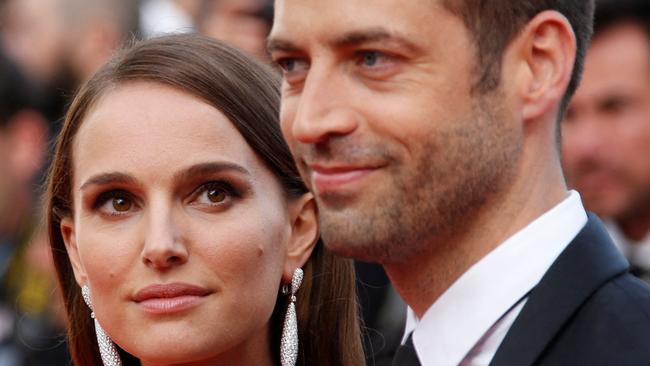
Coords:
pixel 193 171
pixel 209 168
pixel 108 178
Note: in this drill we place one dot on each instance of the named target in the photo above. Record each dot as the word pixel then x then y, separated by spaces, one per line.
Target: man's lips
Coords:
pixel 169 298
pixel 330 178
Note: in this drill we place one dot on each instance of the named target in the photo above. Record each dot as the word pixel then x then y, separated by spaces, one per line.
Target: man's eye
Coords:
pixel 293 69
pixel 292 64
pixel 287 64
pixel 614 105
pixel 370 58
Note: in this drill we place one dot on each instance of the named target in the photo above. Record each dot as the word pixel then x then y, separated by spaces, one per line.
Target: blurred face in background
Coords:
pixel 23 147
pixel 35 36
pixel 180 230
pixel 606 133
pixel 7 181
pixel 60 43
pixel 240 23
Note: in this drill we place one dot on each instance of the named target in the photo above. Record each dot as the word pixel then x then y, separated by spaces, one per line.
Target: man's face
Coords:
pixel 239 23
pixel 378 110
pixel 606 134
pixel 34 35
pixel 7 180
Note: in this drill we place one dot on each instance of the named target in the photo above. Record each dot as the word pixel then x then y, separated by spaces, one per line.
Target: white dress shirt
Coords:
pixel 466 325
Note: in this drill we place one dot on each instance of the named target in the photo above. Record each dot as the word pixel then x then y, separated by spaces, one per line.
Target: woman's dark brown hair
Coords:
pixel 246 92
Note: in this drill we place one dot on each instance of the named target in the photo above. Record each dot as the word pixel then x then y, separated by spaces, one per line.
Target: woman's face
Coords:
pixel 180 231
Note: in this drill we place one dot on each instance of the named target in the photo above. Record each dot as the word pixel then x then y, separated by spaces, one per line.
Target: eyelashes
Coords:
pixel 114 202
pixel 211 195
pixel 215 193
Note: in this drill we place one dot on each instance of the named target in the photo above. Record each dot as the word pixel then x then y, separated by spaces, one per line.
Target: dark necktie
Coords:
pixel 405 355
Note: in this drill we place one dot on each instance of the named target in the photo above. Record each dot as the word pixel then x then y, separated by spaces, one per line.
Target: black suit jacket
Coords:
pixel 586 310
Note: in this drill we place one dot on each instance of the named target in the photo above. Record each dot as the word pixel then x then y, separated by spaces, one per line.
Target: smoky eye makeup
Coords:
pixel 214 182
pixel 209 186
pixel 110 192
pixel 213 193
pixel 118 197
pixel 113 202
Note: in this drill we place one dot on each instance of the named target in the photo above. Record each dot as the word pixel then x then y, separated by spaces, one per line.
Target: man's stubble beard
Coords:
pixel 457 171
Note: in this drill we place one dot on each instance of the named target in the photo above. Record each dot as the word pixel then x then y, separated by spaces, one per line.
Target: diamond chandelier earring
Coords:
pixel 107 350
pixel 289 340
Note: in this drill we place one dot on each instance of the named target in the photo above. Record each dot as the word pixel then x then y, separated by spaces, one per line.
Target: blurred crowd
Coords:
pixel 49 47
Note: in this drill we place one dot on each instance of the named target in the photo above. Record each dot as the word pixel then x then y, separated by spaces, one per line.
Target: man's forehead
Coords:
pixel 293 18
pixel 340 22
pixel 346 39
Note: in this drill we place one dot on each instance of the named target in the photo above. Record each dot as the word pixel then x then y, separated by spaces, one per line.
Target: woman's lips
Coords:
pixel 170 298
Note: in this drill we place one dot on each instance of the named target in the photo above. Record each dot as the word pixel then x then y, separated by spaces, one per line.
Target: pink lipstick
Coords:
pixel 170 298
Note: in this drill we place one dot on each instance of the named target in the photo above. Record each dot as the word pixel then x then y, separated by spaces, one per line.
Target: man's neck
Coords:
pixel 422 279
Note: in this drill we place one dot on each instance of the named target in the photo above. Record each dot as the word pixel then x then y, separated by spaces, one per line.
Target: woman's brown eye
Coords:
pixel 216 195
pixel 122 204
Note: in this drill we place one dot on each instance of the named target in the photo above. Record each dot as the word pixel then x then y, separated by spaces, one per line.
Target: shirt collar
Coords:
pixel 481 296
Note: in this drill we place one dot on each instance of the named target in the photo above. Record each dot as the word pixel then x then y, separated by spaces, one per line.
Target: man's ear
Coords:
pixel 304 234
pixel 70 240
pixel 548 51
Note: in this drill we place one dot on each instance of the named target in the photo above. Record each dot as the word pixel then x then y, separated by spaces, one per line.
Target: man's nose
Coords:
pixel 324 108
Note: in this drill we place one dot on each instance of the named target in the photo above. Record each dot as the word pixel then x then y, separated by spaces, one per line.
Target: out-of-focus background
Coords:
pixel 49 47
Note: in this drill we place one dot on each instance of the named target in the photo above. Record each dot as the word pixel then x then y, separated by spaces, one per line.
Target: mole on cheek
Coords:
pixel 260 252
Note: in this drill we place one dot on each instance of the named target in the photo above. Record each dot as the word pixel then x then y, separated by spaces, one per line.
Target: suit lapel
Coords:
pixel 589 261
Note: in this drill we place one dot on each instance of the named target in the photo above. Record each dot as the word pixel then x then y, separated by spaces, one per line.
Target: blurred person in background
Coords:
pixel 240 23
pixel 158 17
pixel 60 43
pixel 29 333
pixel 606 132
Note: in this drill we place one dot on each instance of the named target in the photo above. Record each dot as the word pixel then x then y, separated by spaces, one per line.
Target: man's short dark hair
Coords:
pixel 613 12
pixel 495 23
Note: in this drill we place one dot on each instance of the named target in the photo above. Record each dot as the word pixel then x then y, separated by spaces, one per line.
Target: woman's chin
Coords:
pixel 180 354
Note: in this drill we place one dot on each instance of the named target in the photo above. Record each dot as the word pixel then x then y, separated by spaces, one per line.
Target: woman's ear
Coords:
pixel 304 234
pixel 70 241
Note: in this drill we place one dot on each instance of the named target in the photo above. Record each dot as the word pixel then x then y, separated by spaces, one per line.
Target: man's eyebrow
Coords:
pixel 373 35
pixel 350 39
pixel 108 178
pixel 278 44
pixel 203 169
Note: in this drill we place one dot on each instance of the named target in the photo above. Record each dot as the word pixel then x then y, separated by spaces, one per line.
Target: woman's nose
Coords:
pixel 163 246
